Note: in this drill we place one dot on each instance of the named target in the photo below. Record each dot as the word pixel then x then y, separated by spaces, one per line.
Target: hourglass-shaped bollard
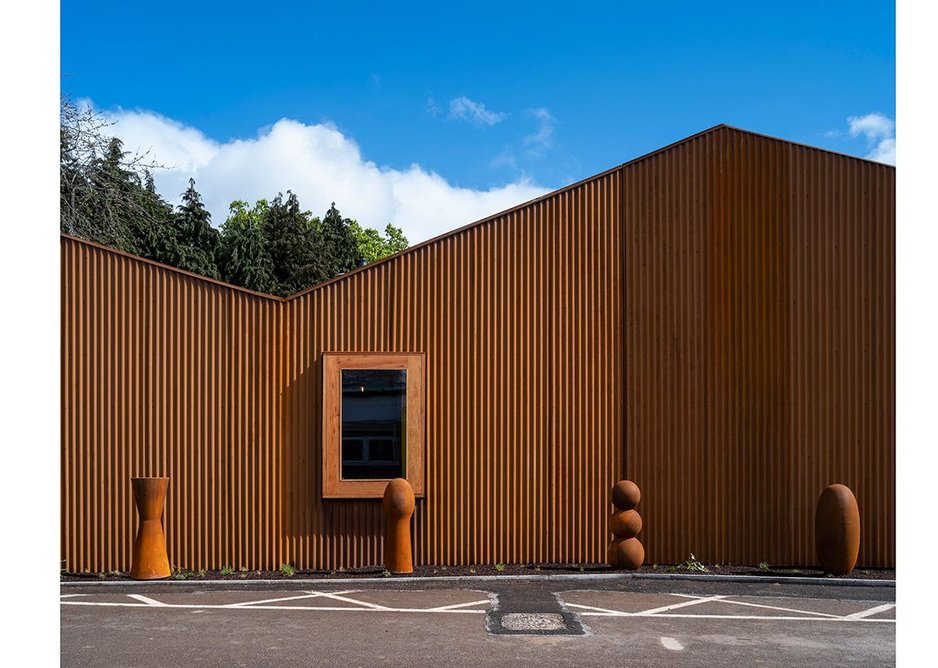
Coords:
pixel 625 550
pixel 398 506
pixel 149 557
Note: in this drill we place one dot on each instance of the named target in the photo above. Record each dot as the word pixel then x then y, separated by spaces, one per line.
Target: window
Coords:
pixel 372 423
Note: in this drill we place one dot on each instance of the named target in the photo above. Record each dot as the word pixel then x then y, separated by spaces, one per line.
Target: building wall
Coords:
pixel 725 392
pixel 760 347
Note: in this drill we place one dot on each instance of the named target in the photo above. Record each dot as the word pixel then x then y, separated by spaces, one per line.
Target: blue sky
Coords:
pixel 491 101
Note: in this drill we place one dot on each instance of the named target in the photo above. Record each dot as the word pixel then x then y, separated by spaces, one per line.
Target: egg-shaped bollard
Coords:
pixel 150 561
pixel 837 530
pixel 398 507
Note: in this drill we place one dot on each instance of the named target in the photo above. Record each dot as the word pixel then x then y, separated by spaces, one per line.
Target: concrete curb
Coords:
pixel 848 582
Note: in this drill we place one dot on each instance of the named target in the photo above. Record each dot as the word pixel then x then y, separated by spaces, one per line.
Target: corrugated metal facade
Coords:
pixel 760 347
pixel 724 307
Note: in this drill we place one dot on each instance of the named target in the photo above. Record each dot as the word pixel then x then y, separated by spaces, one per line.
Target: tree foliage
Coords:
pixel 372 246
pixel 197 239
pixel 244 258
pixel 107 195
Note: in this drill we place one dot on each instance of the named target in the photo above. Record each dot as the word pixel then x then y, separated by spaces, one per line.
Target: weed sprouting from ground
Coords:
pixel 693 564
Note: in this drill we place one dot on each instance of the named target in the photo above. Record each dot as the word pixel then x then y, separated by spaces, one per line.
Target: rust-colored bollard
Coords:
pixel 625 550
pixel 149 558
pixel 837 530
pixel 398 506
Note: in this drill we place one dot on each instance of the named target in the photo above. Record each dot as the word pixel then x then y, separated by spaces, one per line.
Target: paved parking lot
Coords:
pixel 578 621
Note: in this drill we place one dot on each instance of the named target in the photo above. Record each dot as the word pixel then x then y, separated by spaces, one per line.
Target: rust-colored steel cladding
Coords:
pixel 627 553
pixel 715 319
pixel 398 506
pixel 150 561
pixel 625 524
pixel 760 346
pixel 837 530
pixel 626 495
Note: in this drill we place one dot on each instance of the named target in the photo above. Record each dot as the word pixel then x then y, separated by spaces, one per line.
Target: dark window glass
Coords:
pixel 373 416
pixel 352 449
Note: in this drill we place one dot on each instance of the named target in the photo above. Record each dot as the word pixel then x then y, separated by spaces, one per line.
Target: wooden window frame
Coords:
pixel 333 486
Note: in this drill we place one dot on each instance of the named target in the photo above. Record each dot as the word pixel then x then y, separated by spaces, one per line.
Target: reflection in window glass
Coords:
pixel 373 415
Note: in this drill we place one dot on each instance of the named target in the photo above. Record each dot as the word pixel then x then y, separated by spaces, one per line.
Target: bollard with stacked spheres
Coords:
pixel 625 550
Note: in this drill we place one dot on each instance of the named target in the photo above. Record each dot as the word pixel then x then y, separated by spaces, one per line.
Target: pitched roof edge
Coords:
pixel 477 223
pixel 803 145
pixel 168 267
pixel 505 212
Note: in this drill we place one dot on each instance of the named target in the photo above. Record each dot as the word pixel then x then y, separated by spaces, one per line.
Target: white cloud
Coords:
pixel 464 109
pixel 319 164
pixel 880 134
pixel 543 138
pixel 885 151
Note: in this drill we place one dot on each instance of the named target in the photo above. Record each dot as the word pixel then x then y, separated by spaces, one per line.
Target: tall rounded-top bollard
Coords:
pixel 625 550
pixel 398 506
pixel 149 558
pixel 837 530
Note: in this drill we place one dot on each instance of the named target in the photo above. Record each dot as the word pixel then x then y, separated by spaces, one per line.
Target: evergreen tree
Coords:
pixel 101 194
pixel 292 243
pixel 338 244
pixel 198 240
pixel 243 258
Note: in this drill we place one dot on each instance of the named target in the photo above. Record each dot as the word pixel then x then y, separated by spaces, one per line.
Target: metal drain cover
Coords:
pixel 533 623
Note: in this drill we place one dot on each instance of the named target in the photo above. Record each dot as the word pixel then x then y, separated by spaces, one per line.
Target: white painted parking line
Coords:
pixel 447 608
pixel 763 617
pixel 863 614
pixel 667 611
pixel 310 594
pixel 229 606
pixel 70 595
pixel 147 600
pixel 772 607
pixel 685 604
pixel 373 606
pixel 604 611
pixel 672 644
pixel 285 603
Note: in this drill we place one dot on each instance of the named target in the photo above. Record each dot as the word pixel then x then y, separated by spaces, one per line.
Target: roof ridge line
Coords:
pixel 474 224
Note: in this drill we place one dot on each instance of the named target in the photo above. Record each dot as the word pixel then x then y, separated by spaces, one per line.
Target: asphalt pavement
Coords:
pixel 570 621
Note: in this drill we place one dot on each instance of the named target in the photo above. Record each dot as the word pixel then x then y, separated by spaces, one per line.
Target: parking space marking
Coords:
pixel 773 607
pixel 448 608
pixel 667 611
pixel 147 600
pixel 667 608
pixel 603 611
pixel 863 614
pixel 309 594
pixel 360 606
